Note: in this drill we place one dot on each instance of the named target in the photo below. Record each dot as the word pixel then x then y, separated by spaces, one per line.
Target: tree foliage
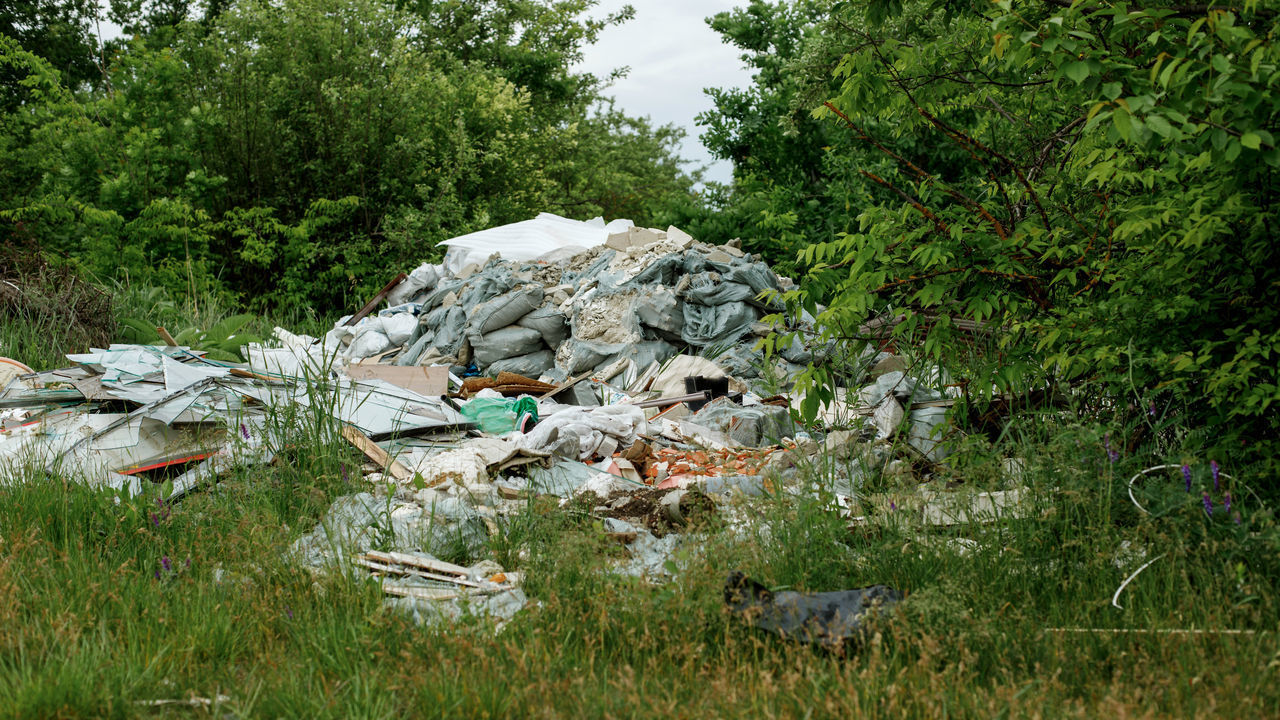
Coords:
pixel 303 151
pixel 62 31
pixel 1093 182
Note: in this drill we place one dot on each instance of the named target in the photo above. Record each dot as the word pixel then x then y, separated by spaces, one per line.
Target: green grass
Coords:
pixel 86 629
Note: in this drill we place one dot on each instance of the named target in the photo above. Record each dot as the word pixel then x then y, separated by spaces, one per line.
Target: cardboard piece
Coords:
pixel 430 380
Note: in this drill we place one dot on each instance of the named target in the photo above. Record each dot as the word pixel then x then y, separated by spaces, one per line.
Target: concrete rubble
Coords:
pixel 619 363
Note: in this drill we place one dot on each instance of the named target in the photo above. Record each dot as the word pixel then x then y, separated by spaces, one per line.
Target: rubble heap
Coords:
pixel 605 363
pixel 642 296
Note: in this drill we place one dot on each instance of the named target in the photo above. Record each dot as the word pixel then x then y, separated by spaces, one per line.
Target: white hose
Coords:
pixel 1151 470
pixel 1115 598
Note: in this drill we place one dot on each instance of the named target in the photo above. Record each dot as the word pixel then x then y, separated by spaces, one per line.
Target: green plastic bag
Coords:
pixel 499 416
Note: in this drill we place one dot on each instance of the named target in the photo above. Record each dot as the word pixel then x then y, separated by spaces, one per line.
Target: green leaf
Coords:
pixel 1121 120
pixel 1233 150
pixel 1160 126
pixel 1078 71
pixel 1251 140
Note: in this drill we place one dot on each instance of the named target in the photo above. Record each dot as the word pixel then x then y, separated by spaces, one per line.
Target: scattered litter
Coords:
pixel 828 618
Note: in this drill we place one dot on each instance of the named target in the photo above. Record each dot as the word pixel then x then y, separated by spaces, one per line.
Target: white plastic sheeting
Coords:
pixel 528 239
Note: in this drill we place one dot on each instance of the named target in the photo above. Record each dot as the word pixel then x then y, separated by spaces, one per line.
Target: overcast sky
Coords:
pixel 673 55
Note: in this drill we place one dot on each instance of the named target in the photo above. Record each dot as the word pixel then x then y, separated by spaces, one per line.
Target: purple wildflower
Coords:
pixel 1226 502
pixel 1213 467
pixel 1186 474
pixel 346 479
pixel 1106 442
pixel 1152 410
pixel 162 515
pixel 157 574
pixel 188 562
pixel 1208 505
pixel 1236 517
pixel 288 611
pixel 166 564
pixel 244 431
pixel 1114 455
pixel 893 507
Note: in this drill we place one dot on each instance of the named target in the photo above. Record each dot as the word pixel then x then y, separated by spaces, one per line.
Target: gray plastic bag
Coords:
pixel 828 618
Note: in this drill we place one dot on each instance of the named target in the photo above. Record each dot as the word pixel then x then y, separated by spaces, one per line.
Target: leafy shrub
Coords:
pixel 1094 183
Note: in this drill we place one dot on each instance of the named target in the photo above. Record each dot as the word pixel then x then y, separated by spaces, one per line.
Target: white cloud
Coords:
pixel 673 55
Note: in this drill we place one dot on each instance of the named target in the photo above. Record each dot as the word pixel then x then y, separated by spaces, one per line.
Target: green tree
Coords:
pixel 531 43
pixel 302 151
pixel 793 184
pixel 1106 203
pixel 61 32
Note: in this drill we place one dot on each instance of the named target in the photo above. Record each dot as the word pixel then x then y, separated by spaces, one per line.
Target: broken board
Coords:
pixel 375 453
pixel 430 380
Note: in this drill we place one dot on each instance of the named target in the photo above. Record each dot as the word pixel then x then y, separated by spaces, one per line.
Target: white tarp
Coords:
pixel 528 239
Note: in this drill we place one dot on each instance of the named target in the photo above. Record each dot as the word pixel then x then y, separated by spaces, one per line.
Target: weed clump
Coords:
pixel 48 305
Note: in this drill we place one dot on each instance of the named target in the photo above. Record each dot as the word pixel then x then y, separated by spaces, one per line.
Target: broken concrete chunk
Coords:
pixel 619 241
pixel 679 237
pixel 640 237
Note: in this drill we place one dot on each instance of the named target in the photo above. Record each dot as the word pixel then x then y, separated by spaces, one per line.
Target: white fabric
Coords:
pixel 597 429
pixel 528 239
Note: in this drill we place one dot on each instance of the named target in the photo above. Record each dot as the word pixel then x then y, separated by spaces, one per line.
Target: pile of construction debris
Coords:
pixel 546 358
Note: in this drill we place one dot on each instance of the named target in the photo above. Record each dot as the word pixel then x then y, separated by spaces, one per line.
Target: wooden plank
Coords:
pixel 376 454
pixel 423 593
pixel 406 570
pixel 428 380
pixel 431 564
pixel 369 306
pixel 568 384
pixel 242 373
pixel 166 337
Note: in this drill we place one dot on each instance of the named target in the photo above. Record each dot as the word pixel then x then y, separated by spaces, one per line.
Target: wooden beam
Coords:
pixel 375 453
pixel 438 566
pixel 369 306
